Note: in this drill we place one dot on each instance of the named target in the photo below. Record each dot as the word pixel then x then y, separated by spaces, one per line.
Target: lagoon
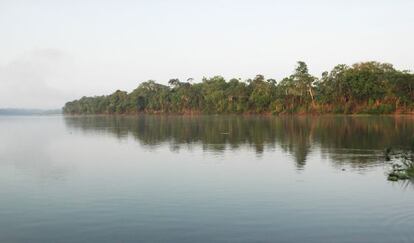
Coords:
pixel 158 178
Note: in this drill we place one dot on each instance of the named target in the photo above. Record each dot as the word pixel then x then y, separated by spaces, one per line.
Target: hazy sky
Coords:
pixel 54 51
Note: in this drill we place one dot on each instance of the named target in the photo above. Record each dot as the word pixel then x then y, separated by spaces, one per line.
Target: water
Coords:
pixel 203 179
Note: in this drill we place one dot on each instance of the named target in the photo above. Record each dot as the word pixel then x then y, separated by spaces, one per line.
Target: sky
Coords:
pixel 55 51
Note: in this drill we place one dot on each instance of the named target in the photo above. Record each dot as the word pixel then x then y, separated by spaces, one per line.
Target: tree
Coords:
pixel 368 87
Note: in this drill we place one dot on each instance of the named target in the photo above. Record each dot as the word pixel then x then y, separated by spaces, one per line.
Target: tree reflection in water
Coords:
pixel 355 140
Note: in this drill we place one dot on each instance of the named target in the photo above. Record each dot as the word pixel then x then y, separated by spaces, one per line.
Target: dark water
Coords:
pixel 203 179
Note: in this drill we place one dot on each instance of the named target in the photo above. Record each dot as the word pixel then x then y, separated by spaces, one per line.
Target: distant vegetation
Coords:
pixel 369 88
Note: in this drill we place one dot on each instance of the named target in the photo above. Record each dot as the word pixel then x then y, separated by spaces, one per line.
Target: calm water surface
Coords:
pixel 203 179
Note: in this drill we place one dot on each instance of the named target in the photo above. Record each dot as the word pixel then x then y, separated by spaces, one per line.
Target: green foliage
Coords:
pixel 379 109
pixel 369 88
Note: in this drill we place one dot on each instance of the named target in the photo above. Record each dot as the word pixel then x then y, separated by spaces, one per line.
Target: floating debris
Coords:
pixel 403 170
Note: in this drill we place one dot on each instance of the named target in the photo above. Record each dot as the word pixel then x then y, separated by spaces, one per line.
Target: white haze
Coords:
pixel 55 51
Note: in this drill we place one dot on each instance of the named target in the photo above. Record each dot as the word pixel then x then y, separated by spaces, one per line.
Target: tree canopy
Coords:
pixel 367 87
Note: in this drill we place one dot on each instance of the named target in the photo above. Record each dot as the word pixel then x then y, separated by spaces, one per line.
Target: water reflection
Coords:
pixel 355 140
pixel 232 179
pixel 26 142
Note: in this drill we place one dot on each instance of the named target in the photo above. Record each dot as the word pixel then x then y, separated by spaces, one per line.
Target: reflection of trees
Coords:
pixel 358 140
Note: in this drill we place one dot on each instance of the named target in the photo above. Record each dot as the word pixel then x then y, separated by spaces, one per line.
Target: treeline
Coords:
pixel 368 87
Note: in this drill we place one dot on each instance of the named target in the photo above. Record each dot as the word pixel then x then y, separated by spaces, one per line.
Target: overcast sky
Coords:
pixel 54 51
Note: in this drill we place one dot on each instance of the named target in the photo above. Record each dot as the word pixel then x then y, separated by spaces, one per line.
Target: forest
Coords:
pixel 362 88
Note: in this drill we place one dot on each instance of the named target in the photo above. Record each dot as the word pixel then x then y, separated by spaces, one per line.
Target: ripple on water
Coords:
pixel 398 220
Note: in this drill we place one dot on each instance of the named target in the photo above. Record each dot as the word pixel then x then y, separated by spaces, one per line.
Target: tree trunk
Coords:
pixel 311 95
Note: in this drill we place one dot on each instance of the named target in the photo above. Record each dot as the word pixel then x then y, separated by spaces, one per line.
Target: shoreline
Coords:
pixel 409 114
